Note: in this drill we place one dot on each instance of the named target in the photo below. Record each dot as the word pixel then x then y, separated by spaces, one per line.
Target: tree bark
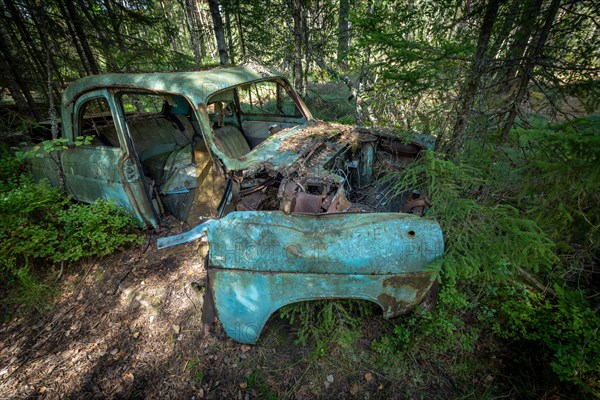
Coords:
pixel 219 33
pixel 74 38
pixel 507 26
pixel 105 42
pixel 343 36
pixel 193 25
pixel 532 58
pixel 229 36
pixel 28 43
pixel 116 25
pixel 521 41
pixel 85 46
pixel 15 82
pixel 297 17
pixel 478 67
pixel 52 111
pixel 238 21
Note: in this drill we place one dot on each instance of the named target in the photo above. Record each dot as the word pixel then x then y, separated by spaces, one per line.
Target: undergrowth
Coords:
pixel 41 227
pixel 521 228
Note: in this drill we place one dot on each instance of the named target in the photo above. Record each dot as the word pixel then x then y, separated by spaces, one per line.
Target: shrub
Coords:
pixel 516 222
pixel 39 225
pixel 93 230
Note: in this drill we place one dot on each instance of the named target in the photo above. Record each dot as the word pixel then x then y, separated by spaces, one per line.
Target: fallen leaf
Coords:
pixel 330 378
pixel 128 377
pixel 245 348
pixel 42 390
pixel 368 377
pixel 176 329
pixel 244 385
pixel 354 389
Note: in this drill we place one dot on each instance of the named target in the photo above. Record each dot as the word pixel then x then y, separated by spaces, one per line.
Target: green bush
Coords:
pixel 485 239
pixel 40 226
pixel 520 224
pixel 93 230
pixel 324 321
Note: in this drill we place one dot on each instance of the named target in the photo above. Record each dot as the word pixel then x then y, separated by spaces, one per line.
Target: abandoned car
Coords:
pixel 292 208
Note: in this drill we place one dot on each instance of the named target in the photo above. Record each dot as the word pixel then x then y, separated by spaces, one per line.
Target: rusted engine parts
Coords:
pixel 335 176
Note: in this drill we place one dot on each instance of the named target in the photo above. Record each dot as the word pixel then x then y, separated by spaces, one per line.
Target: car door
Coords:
pixel 106 168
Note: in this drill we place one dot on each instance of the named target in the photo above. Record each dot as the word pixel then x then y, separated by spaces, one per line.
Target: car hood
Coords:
pixel 285 148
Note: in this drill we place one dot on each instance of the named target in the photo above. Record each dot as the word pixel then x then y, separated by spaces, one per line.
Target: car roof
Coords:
pixel 197 85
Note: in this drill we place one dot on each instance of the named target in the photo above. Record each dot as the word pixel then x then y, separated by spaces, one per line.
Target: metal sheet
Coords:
pixel 346 243
pixel 245 299
pixel 260 261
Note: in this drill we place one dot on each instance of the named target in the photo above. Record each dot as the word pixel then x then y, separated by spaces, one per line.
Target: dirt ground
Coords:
pixel 128 326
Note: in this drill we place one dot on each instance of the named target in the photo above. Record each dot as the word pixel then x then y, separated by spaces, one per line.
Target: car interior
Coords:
pixel 166 136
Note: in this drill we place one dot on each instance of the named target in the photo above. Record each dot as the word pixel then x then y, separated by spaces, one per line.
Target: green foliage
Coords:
pixel 37 222
pixel 29 291
pixel 27 230
pixel 10 169
pixel 489 240
pixel 40 225
pixel 93 230
pixel 49 146
pixel 568 156
pixel 441 330
pixel 513 220
pixel 561 320
pixel 195 369
pixel 326 320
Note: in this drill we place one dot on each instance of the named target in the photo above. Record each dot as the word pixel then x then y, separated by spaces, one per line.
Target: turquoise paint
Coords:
pixel 262 260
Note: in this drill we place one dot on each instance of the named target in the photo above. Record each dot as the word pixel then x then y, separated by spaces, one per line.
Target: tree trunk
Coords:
pixel 343 37
pixel 229 36
pixel 104 40
pixel 15 82
pixel 203 27
pixel 115 23
pixel 74 38
pixel 238 21
pixel 306 53
pixel 13 87
pixel 52 112
pixel 478 67
pixel 193 24
pixel 219 33
pixel 28 43
pixel 521 41
pixel 532 57
pixel 507 26
pixel 85 46
pixel 297 17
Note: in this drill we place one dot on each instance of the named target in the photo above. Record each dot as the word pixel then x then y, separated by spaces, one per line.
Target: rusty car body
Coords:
pixel 292 208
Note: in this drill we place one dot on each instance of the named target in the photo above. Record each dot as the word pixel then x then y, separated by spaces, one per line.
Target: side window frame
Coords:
pixel 79 108
pixel 280 90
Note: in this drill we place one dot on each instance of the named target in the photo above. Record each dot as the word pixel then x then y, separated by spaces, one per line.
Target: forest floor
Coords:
pixel 128 326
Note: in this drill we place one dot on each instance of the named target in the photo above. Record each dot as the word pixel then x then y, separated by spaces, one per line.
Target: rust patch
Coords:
pixel 421 281
pixel 393 307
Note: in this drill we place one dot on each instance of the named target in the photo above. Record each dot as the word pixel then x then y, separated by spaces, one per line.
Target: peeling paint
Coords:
pixel 292 208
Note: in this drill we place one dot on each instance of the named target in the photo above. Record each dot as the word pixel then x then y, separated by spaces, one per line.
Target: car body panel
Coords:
pixel 301 215
pixel 261 261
